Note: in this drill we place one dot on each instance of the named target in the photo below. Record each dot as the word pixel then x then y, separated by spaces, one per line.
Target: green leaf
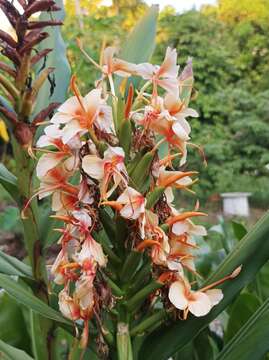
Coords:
pixel 11 353
pixel 57 59
pixel 244 306
pixel 25 297
pixel 8 181
pixel 13 328
pixel 251 341
pixel 239 230
pixel 180 333
pixel 10 220
pixel 10 265
pixel 140 44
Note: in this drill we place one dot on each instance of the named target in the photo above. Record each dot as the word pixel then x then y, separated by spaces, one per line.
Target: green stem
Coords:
pixel 41 327
pixel 124 345
pixel 148 322
pixel 142 294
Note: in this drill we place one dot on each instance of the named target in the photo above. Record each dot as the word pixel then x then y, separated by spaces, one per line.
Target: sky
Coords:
pixel 180 5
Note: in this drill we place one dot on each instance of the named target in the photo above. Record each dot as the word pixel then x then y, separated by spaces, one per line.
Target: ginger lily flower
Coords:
pixel 68 153
pixel 91 250
pixel 165 75
pixel 111 166
pixel 131 204
pixel 78 114
pixel 117 66
pixel 199 303
pixel 159 246
pixel 181 252
pixel 183 224
pixel 68 307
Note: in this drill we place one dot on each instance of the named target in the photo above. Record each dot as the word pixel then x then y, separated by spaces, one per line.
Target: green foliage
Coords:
pixel 180 333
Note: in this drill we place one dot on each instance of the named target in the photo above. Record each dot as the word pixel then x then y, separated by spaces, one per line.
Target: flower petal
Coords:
pixel 177 295
pixel 93 166
pixel 215 296
pixel 200 305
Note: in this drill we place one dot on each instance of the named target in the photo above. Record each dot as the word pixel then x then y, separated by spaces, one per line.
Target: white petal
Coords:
pixel 180 227
pixel 177 295
pixel 93 166
pixel 146 70
pixel 169 66
pixel 61 118
pixel 69 106
pixel 189 112
pixel 180 131
pixel 70 130
pixel 169 194
pixel 92 100
pixel 201 305
pixel 47 162
pixel 215 296
pixel 44 141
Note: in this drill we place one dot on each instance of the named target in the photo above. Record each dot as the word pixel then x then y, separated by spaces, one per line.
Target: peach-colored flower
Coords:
pixel 117 66
pixel 83 293
pixel 67 154
pixel 111 166
pixel 68 307
pixel 78 114
pixel 133 203
pixel 199 303
pixel 90 251
pixel 165 75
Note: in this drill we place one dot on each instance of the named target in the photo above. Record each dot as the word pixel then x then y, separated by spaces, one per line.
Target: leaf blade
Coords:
pixel 13 353
pixel 251 341
pixel 20 294
pixel 10 265
pixel 179 334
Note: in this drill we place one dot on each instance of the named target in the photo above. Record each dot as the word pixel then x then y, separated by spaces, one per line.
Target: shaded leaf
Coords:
pixel 181 332
pixel 251 341
pixel 244 306
pixel 12 325
pixel 26 298
pixel 8 181
pixel 239 230
pixel 10 265
pixel 56 59
pixel 12 353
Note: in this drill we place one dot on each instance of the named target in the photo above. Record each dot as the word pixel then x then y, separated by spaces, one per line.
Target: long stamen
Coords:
pixel 76 92
pixel 234 274
pixel 79 43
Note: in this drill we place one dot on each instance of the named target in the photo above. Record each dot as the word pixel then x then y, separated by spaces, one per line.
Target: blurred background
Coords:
pixel 229 44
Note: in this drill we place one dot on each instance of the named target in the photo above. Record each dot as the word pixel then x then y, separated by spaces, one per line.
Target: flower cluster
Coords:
pixel 122 153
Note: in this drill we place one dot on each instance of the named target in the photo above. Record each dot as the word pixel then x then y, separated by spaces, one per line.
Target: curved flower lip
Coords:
pixel 199 303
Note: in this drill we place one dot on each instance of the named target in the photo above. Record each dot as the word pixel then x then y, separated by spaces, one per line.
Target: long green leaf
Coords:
pixel 244 306
pixel 8 181
pixel 252 252
pixel 140 44
pixel 57 59
pixel 9 265
pixel 251 341
pixel 20 294
pixel 12 353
